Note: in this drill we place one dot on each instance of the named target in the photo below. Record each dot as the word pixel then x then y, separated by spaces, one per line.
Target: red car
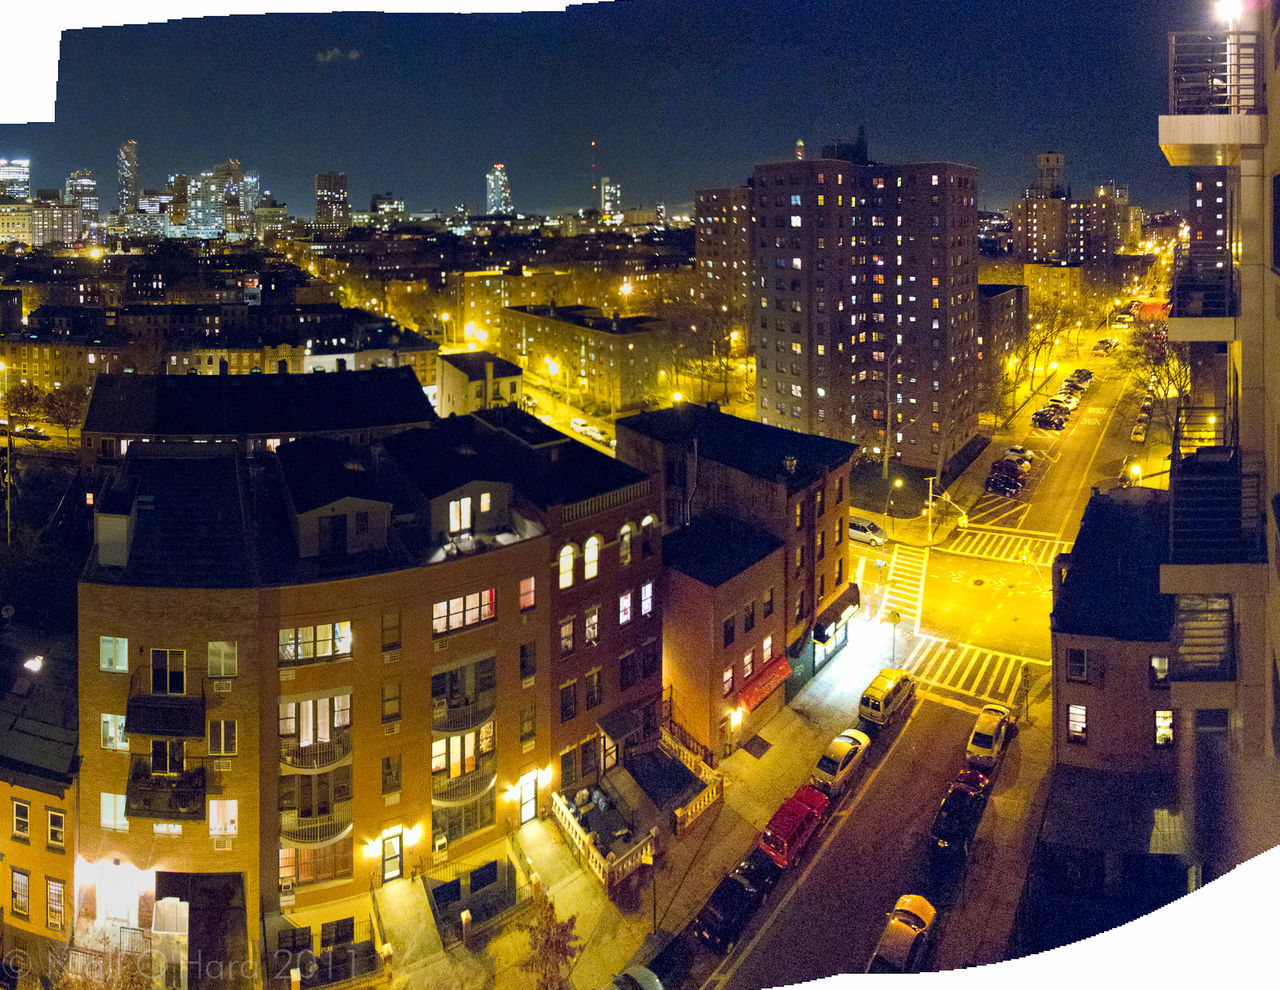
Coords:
pixel 793 825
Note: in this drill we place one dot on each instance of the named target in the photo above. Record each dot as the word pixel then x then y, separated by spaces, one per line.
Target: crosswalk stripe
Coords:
pixel 982 674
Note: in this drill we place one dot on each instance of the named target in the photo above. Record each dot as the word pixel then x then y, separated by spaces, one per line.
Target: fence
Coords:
pixel 609 869
pixel 713 783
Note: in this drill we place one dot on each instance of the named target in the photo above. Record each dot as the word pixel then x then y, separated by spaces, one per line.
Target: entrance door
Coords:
pixel 391 856
pixel 528 796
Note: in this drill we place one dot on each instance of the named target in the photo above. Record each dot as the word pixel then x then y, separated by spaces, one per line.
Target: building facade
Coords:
pixel 333 209
pixel 469 381
pixel 127 183
pixel 722 246
pixel 497 193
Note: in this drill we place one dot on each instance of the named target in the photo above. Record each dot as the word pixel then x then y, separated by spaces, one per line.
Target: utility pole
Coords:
pixel 930 479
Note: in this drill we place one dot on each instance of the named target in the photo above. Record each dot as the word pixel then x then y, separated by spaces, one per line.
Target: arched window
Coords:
pixel 591 558
pixel 566 566
pixel 646 535
pixel 624 545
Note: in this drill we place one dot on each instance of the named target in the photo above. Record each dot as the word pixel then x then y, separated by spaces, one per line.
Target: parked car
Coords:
pixel 1081 374
pixel 758 869
pixel 789 831
pixel 957 820
pixel 579 425
pixel 865 531
pixel 1019 454
pixel 634 978
pixel 32 433
pixel 890 692
pixel 1047 419
pixel 726 913
pixel 989 737
pixel 1010 468
pixel 838 764
pixel 902 944
pixel 1000 484
pixel 1139 433
pixel 1067 399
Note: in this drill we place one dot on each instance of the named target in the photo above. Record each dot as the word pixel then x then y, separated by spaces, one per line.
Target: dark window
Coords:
pixel 728 631
pixel 626 670
pixel 768 604
pixel 390 774
pixel 528 659
pixel 568 701
pixel 749 617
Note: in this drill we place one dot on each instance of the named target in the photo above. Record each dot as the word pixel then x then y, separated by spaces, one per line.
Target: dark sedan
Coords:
pixel 957 820
pixel 726 913
pixel 760 871
pixel 1000 484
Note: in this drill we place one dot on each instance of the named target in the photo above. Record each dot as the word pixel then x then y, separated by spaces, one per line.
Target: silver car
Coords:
pixel 865 531
pixel 838 764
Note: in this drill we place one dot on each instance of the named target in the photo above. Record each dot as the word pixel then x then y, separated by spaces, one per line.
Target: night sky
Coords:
pixel 678 94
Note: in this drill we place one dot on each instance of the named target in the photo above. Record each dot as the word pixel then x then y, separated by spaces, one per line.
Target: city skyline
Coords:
pixel 434 99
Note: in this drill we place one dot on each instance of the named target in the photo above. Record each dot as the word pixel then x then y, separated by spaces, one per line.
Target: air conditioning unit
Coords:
pixel 442 843
pixel 224 845
pixel 390 656
pixel 222 765
pixel 391 728
pixel 441 644
pixel 286 887
pixel 222 687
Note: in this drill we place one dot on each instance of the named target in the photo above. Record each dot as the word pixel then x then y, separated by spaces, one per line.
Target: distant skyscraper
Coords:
pixel 81 191
pixel 610 196
pixel 333 211
pixel 497 192
pixel 15 177
pixel 127 176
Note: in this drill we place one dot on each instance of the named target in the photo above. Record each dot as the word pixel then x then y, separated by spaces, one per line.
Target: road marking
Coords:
pixel 1001 543
pixel 904 586
pixel 981 674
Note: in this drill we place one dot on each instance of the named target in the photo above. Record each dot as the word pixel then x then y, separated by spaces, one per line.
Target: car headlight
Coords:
pixel 943 843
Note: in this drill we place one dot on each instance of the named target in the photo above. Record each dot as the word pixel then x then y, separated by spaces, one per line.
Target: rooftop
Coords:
pixel 713 549
pixel 472 364
pixel 175 406
pixel 590 318
pixel 1112 586
pixel 753 448
pixel 38 720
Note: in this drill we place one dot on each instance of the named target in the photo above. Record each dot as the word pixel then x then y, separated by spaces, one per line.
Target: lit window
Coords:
pixel 1076 723
pixel 566 566
pixel 624 608
pixel 113 654
pixel 591 628
pixel 484 501
pixel 21 902
pixel 526 594
pixel 21 820
pixel 57 829
pixel 566 635
pixel 591 558
pixel 223 816
pixel 1159 671
pixel 748 664
pixel 54 899
pixel 113 812
pixel 1164 728
pixel 727 678
pixel 222 658
pixel 646 598
pixel 460 515
pixel 113 736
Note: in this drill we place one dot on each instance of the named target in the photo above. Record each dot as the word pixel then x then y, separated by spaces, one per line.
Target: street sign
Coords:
pixel 893 617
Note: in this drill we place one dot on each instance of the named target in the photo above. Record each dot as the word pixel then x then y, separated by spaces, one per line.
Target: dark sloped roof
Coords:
pixel 1112 587
pixel 38 722
pixel 751 447
pixel 320 471
pixel 255 405
pixel 439 460
pixel 471 364
pixel 712 549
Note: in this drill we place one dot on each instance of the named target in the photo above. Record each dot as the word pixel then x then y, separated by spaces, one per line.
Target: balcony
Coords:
pixel 1217 97
pixel 150 711
pixel 1203 296
pixel 450 715
pixel 1216 507
pixel 316 829
pixel 315 755
pixel 169 796
pixel 1203 639
pixel 455 790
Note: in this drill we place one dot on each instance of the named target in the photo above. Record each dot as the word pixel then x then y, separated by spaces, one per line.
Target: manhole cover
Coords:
pixel 978 582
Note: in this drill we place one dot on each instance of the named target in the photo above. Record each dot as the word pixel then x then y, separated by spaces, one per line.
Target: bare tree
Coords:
pixel 65 407
pixel 553 944
pixel 23 402
pixel 1162 366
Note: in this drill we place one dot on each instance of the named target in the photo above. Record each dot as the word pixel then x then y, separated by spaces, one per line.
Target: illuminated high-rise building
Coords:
pixel 81 191
pixel 127 176
pixel 333 211
pixel 15 177
pixel 610 196
pixel 497 192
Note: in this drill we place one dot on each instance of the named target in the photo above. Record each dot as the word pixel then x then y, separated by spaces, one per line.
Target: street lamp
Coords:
pixel 888 500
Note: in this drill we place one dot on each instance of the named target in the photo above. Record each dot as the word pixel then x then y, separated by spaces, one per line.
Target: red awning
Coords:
pixel 771 675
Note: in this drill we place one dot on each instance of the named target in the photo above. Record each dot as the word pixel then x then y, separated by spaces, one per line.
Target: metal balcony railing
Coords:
pixel 316 827
pixel 172 704
pixel 1216 506
pixel 469 785
pixel 1203 282
pixel 316 755
pixel 459 717
pixel 1217 72
pixel 172 796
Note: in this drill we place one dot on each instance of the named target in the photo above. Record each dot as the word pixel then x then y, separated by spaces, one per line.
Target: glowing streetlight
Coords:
pixel 626 289
pixel 677 396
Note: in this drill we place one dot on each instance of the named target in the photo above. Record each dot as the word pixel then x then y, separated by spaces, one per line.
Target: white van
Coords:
pixel 890 692
pixel 865 531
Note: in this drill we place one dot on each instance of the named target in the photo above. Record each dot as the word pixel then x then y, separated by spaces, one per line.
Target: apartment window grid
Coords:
pixel 113 654
pixel 726 679
pixel 646 598
pixel 595 691
pixel 591 626
pixel 1164 728
pixel 312 644
pixel 1159 671
pixel 463 611
pixel 55 918
pixel 528 722
pixel 566 636
pixel 568 700
pixel 728 631
pixel 1080 664
pixel 20 904
pixel 391 631
pixel 222 737
pixel 527 598
pixel 391 701
pixel 528 660
pixel 624 608
pixel 21 820
pixel 748 664
pixel 113 736
pixel 57 829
